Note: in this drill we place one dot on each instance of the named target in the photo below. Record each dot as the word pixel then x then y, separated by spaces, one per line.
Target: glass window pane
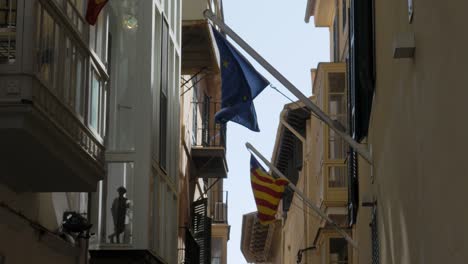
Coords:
pixel 338 251
pixel 66 72
pixel 72 92
pixel 337 105
pixel 156 216
pixel 162 213
pixel 47 48
pixel 336 82
pixel 102 113
pixel 337 177
pixel 216 250
pixel 79 84
pixel 119 207
pixel 337 148
pixel 121 132
pixel 94 115
pixel 8 31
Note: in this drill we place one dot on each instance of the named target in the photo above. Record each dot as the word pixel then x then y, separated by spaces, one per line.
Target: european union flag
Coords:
pixel 241 83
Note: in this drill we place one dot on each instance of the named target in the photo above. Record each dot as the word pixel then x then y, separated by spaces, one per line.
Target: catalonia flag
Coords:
pixel 93 10
pixel 240 84
pixel 267 191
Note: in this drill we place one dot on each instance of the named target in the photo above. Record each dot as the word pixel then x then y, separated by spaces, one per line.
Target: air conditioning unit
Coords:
pixel 220 213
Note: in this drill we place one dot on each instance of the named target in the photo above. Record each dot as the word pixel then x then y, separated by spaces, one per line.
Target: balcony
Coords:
pixel 257 239
pixel 52 100
pixel 198 44
pixel 208 142
pixel 333 248
pixel 331 92
pixel 335 185
pixel 218 201
pixel 198 47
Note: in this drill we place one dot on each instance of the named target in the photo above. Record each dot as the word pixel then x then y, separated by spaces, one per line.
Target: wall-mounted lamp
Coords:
pixel 130 22
pixel 404 45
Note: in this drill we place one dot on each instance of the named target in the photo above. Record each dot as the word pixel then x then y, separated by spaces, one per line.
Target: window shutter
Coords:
pixel 362 74
pixel 192 250
pixel 202 229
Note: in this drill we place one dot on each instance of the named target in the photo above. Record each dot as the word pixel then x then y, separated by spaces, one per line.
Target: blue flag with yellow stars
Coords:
pixel 241 83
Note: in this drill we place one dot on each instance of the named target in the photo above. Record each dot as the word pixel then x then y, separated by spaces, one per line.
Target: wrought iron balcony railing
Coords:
pixel 206 132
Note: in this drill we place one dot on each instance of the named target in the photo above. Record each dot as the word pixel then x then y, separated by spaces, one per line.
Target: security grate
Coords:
pixel 375 239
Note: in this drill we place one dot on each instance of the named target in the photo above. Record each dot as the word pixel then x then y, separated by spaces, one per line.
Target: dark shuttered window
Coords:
pixel 361 83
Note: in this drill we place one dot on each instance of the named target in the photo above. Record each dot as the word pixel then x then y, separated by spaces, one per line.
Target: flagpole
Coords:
pixel 304 198
pixel 359 148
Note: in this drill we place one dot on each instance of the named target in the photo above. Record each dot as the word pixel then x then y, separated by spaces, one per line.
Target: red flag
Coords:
pixel 93 10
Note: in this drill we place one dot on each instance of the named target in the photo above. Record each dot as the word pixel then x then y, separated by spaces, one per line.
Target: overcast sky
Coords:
pixel 276 29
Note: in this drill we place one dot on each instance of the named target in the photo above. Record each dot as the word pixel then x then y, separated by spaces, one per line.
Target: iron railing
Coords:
pixel 206 132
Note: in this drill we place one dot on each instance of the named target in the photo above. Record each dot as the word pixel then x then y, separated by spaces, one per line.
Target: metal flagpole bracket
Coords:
pixel 358 147
pixel 309 203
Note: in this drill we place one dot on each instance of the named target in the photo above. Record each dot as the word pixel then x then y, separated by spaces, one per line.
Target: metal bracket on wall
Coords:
pixel 191 78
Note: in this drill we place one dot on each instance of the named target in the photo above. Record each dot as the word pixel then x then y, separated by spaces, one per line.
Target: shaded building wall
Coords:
pixel 418 134
pixel 30 225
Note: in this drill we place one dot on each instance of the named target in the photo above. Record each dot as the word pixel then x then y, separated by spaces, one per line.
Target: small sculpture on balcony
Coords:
pixel 76 225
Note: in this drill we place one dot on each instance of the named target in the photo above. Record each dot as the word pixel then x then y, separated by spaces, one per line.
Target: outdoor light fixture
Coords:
pixel 130 22
pixel 404 45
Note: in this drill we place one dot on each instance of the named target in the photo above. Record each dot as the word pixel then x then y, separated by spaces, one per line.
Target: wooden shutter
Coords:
pixel 362 64
pixel 202 229
pixel 192 249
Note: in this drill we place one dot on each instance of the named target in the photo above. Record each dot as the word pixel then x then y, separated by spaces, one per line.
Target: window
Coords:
pixel 48 50
pixel 337 177
pixel 119 203
pixel 216 250
pixel 8 29
pixel 336 42
pixel 361 65
pixel 94 113
pixel 338 251
pixel 344 11
pixel 195 106
pixel 337 109
pixel 98 36
pixel 97 106
pixel 163 109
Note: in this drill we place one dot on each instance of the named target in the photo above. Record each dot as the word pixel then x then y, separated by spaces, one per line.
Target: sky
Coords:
pixel 277 31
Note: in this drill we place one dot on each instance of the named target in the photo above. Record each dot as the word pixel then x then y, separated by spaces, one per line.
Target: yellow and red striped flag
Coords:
pixel 267 191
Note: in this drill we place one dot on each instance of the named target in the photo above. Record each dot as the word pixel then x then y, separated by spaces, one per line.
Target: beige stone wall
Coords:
pixel 418 134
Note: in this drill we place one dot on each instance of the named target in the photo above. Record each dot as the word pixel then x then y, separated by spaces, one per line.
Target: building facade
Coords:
pixel 204 228
pixel 400 54
pixel 315 159
pixel 135 209
pixel 54 75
